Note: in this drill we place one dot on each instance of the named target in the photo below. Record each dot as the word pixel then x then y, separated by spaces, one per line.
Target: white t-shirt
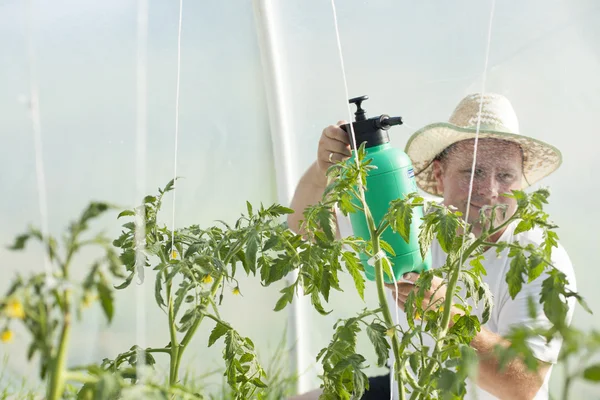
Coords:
pixel 506 311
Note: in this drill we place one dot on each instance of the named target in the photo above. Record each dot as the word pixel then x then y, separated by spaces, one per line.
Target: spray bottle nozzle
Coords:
pixel 386 122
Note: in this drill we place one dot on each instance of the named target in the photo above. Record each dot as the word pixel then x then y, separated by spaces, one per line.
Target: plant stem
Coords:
pixel 174 345
pixel 566 388
pixel 382 298
pixel 57 378
pixel 190 333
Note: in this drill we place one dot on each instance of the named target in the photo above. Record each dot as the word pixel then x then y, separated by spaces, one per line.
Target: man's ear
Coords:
pixel 438 174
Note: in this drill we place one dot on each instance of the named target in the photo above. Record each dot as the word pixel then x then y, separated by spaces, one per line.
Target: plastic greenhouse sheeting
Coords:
pixel 253 101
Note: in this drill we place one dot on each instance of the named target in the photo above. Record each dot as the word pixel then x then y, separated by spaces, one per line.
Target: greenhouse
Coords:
pixel 299 199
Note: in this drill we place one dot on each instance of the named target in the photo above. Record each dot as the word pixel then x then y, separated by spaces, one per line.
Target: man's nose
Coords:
pixel 488 186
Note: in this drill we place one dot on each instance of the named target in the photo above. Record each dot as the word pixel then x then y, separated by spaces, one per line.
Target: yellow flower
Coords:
pixel 236 290
pixel 14 309
pixel 441 309
pixel 390 332
pixel 88 299
pixel 6 336
pixel 174 254
pixel 207 279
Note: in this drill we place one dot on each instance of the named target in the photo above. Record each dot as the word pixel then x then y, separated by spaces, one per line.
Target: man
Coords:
pixel 443 155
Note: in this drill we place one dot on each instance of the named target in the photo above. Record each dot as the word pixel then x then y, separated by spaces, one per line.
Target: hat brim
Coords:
pixel 540 158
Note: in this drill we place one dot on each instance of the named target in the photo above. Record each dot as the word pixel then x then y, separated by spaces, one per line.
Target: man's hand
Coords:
pixel 434 298
pixel 334 146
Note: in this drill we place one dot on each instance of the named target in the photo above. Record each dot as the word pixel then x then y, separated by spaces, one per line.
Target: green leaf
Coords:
pixel 376 333
pixel 414 361
pixel 218 331
pixel 246 358
pixel 107 387
pixel 169 186
pixel 469 361
pixel 326 220
pixel 158 289
pixel 524 226
pixel 531 307
pixel 149 359
pixel 288 297
pixel 354 267
pixel 189 317
pixel 550 241
pixel 466 327
pixel 270 243
pixel 553 288
pixel 94 210
pixel 583 303
pixel 249 208
pixel 128 259
pixel 325 285
pixel 106 300
pixel 193 248
pixel 181 293
pixel 478 267
pixel 386 247
pixel 316 302
pixel 345 204
pixel 126 213
pixel 360 381
pixel 252 250
pixel 426 236
pixel 127 281
pixel 447 227
pixel 258 383
pixel 448 380
pixel 278 209
pixel 401 219
pixel 150 200
pixel 20 242
pixel 521 197
pixel 592 373
pixel 86 392
pixel 518 268
pixel 537 265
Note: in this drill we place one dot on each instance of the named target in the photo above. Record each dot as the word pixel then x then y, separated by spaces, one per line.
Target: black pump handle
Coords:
pixel 360 113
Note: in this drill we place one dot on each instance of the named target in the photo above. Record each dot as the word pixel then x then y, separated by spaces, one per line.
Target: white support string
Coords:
pixel 140 157
pixel 176 119
pixel 34 110
pixel 483 83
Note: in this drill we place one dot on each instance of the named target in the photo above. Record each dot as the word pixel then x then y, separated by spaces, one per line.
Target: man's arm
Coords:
pixel 333 147
pixel 515 381
pixel 308 192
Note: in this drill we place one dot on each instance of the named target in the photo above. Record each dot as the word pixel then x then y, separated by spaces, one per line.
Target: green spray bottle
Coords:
pixel 392 179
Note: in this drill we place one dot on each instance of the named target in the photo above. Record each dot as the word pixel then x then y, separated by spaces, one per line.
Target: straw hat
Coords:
pixel 498 121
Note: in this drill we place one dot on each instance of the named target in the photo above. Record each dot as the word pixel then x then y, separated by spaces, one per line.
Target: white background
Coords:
pixel 413 59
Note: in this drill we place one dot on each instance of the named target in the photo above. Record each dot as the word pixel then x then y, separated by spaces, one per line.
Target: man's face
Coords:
pixel 498 170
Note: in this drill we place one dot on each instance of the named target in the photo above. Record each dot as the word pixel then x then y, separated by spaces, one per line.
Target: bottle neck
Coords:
pixel 378 147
